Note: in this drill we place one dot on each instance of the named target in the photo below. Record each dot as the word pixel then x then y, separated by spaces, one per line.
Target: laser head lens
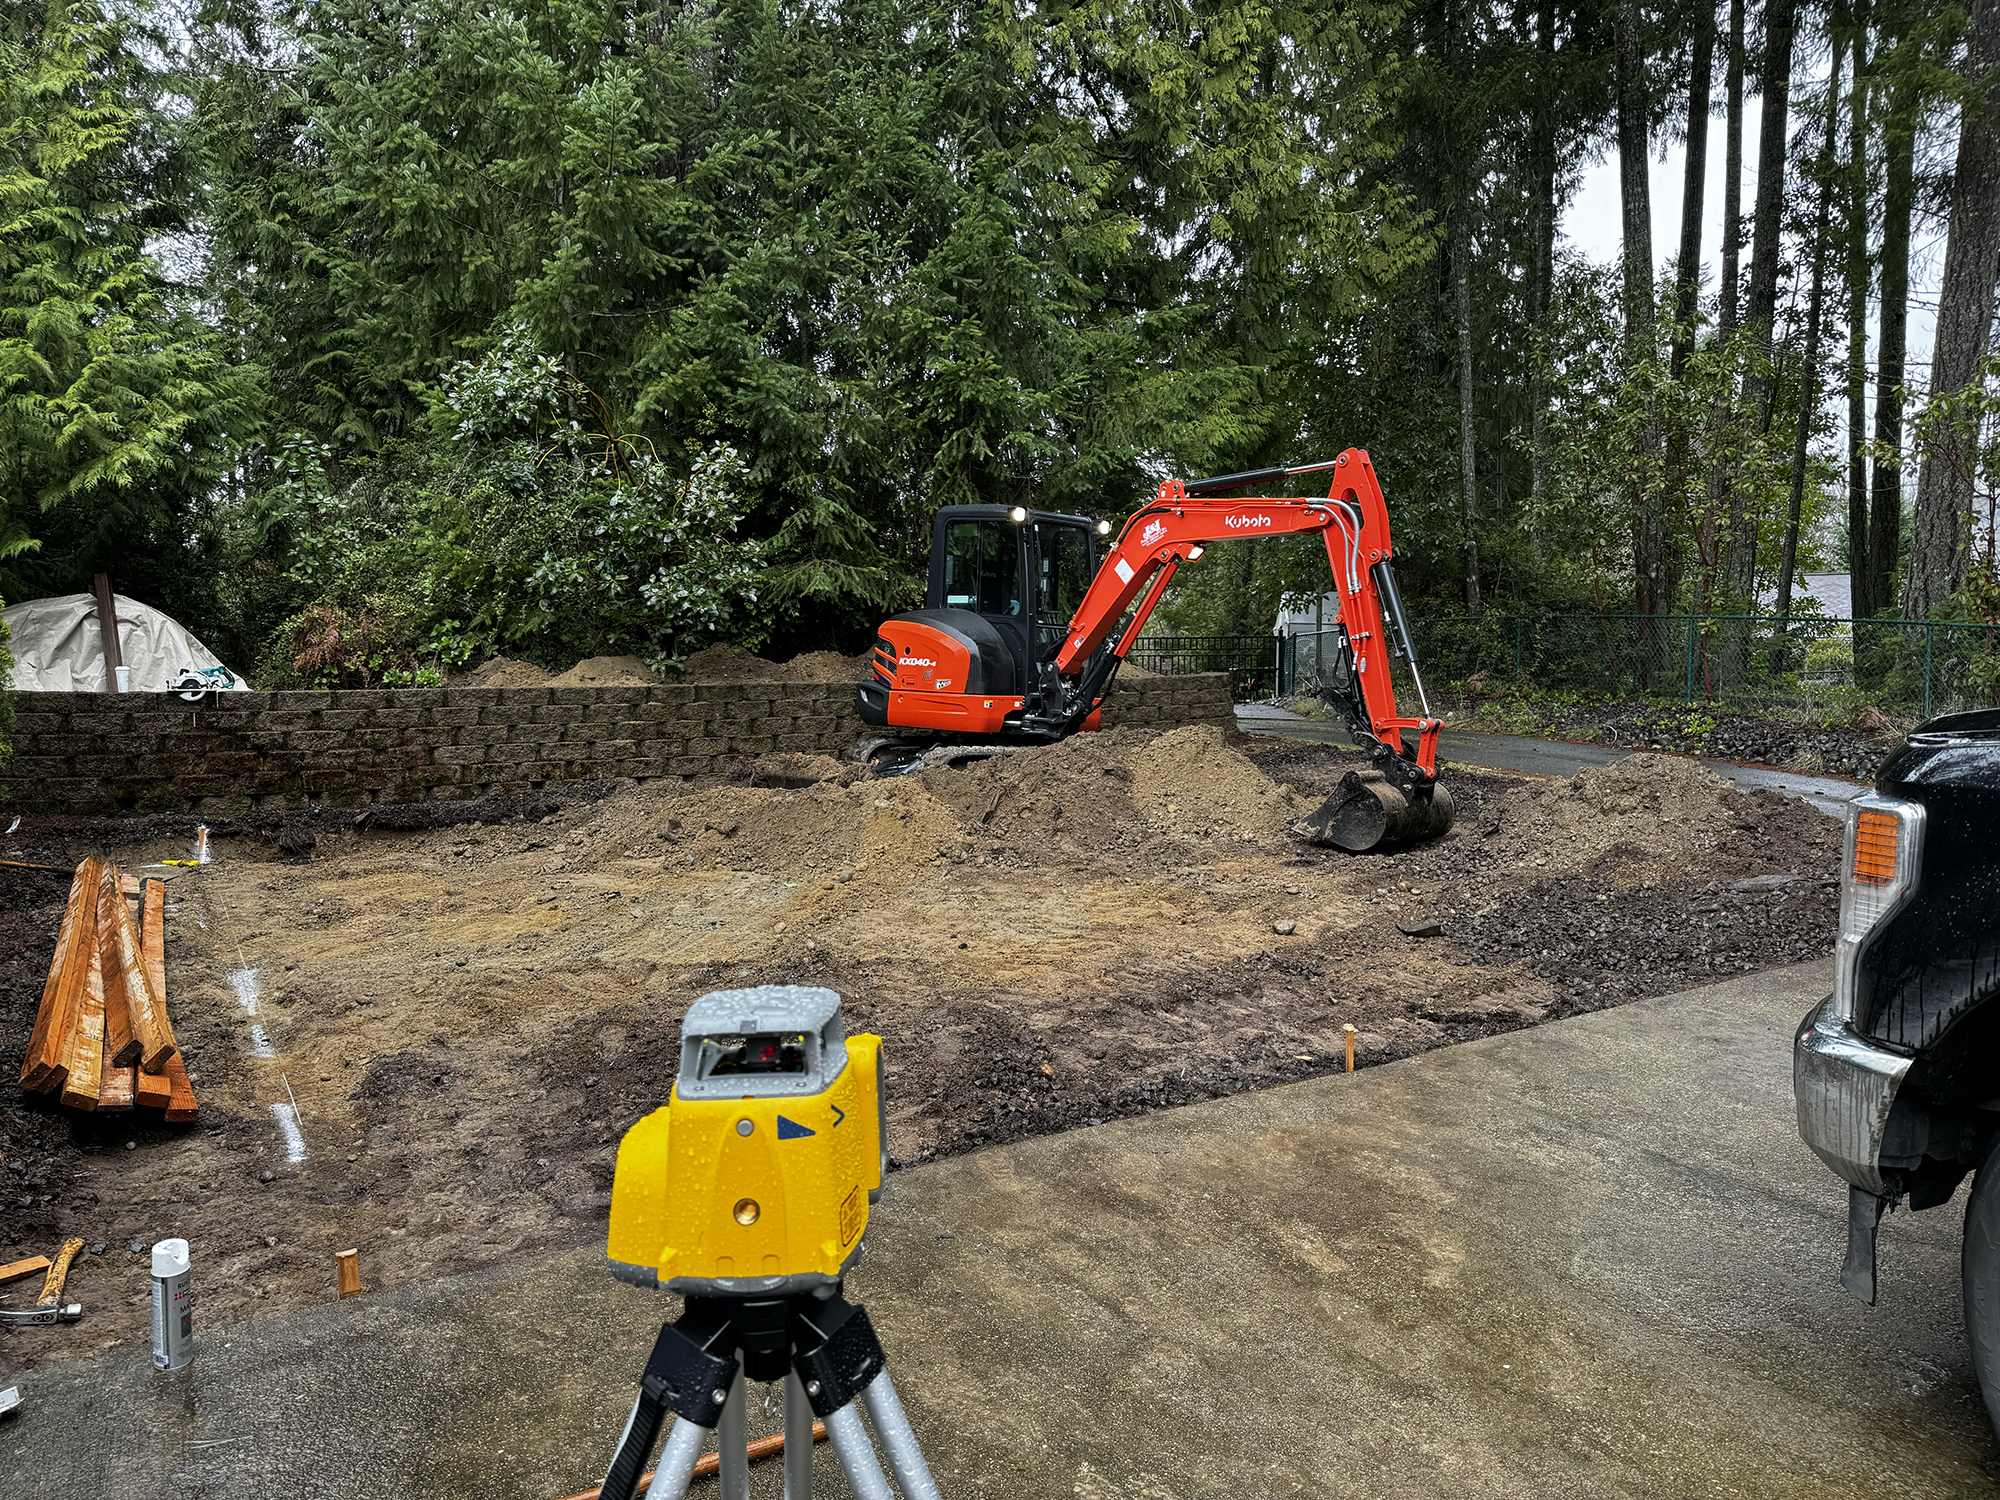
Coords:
pixel 747 1211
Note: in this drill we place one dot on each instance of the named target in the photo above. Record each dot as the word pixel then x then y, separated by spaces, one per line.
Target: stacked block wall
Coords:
pixel 149 752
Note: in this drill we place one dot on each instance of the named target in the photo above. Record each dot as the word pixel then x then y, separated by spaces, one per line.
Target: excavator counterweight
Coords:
pixel 1029 615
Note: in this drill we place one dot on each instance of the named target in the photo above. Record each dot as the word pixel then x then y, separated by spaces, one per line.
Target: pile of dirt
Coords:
pixel 503 672
pixel 1191 775
pixel 732 664
pixel 1642 818
pixel 608 671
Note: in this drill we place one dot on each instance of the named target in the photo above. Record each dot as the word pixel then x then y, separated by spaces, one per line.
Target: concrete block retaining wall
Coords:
pixel 149 752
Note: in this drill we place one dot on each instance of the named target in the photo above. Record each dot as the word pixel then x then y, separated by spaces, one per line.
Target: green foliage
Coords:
pixel 503 529
pixel 119 409
pixel 903 256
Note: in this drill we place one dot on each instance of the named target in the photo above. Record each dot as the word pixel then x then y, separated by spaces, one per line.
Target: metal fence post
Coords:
pixel 1928 628
pixel 1690 661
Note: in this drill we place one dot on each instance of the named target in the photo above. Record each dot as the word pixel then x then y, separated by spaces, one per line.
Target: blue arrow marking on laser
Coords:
pixel 792 1130
pixel 839 1114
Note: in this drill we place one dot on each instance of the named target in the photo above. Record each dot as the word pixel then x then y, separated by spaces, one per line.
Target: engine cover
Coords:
pixel 943 651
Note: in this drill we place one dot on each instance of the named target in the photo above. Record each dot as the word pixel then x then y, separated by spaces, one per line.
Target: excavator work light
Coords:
pixel 757 1174
pixel 1018 513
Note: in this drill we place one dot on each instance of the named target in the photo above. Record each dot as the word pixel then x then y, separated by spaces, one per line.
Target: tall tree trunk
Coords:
pixel 1860 577
pixel 1649 541
pixel 1729 289
pixel 1761 308
pixel 1542 280
pixel 1885 504
pixel 1461 280
pixel 1941 535
pixel 1809 395
pixel 1687 290
pixel 1727 299
pixel 1767 232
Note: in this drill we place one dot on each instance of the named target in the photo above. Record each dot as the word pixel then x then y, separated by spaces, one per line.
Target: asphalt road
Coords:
pixel 1510 752
pixel 1587 1259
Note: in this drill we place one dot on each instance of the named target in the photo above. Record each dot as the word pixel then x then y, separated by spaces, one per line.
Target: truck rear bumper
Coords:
pixel 1844 1086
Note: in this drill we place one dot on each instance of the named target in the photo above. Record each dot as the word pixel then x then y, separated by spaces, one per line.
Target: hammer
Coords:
pixel 49 1306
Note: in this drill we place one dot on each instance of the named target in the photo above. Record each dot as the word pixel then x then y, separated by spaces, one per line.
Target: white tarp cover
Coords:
pixel 57 648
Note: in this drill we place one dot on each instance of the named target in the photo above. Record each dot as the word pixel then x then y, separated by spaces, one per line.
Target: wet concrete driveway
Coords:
pixel 1590 1259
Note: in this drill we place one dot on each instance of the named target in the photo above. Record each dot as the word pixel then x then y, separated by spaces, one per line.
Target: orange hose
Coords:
pixel 710 1462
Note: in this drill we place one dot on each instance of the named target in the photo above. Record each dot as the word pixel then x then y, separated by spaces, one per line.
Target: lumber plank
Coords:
pixel 152 1090
pixel 156 1090
pixel 84 1074
pixel 181 1105
pixel 57 1015
pixel 125 977
pixel 117 1091
pixel 22 1268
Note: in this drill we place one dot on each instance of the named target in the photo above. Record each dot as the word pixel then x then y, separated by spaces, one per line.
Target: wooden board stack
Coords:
pixel 102 1038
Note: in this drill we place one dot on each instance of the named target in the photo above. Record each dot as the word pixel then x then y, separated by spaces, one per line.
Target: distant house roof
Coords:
pixel 1834 591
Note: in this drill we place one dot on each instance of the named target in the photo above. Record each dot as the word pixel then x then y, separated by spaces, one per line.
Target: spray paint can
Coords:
pixel 173 1306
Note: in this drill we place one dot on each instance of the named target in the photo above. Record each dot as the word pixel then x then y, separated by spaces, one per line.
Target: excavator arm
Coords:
pixel 1188 516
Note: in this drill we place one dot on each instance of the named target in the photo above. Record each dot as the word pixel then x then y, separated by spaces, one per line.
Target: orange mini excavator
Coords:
pixel 1029 614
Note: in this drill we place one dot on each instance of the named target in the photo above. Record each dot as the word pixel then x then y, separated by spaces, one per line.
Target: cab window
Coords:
pixel 1065 569
pixel 982 567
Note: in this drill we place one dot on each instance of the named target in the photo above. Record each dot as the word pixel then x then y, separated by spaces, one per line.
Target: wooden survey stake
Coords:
pixel 84 1063
pixel 125 978
pixel 42 1067
pixel 347 1272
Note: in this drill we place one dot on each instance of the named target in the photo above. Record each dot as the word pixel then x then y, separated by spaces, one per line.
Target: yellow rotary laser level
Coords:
pixel 757 1175
pixel 748 1193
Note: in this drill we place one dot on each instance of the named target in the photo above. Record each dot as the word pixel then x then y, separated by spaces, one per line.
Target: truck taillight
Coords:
pixel 1884 845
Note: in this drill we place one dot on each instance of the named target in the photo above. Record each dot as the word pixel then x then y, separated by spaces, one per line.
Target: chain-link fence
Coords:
pixel 1919 666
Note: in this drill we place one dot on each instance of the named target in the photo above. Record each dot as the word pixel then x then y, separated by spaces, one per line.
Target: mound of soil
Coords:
pixel 1190 774
pixel 732 664
pixel 608 671
pixel 503 672
pixel 1613 818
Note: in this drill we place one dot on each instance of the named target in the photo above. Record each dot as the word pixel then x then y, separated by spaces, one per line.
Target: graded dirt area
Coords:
pixel 470 1015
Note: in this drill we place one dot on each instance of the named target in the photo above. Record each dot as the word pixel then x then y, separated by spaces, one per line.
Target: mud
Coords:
pixel 471 1015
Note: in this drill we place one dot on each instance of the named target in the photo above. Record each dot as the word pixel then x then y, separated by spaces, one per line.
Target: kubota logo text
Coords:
pixel 1239 523
pixel 1153 532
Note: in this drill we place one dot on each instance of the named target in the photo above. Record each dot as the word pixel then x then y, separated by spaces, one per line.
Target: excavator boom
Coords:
pixel 1057 684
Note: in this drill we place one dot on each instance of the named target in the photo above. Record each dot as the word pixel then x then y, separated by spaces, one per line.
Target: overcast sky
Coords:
pixel 1591 225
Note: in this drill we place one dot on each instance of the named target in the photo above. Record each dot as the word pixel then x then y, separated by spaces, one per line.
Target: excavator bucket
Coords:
pixel 1368 815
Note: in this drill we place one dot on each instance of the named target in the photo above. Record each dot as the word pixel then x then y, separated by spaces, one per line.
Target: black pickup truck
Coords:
pixel 1897 1073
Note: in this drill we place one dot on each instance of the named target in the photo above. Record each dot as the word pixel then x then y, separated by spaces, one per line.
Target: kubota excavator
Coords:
pixel 1020 640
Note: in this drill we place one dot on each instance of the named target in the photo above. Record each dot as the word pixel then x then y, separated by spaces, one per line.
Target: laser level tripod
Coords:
pixel 821 1346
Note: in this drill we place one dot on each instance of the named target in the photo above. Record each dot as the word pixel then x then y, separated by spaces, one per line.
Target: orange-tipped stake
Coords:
pixel 1350 1047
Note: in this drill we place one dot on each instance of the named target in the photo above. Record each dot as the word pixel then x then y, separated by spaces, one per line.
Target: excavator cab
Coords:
pixel 1004 584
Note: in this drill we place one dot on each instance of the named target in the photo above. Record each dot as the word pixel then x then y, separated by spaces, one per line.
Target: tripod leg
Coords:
pixel 677 1461
pixel 857 1454
pixel 732 1444
pixel 899 1440
pixel 798 1440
